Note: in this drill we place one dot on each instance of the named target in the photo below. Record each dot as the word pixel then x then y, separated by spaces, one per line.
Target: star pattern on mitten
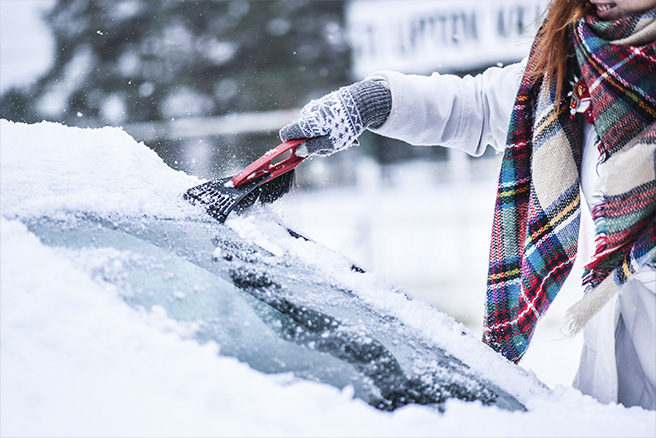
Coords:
pixel 336 115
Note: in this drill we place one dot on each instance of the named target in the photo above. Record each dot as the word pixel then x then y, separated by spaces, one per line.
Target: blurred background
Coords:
pixel 208 84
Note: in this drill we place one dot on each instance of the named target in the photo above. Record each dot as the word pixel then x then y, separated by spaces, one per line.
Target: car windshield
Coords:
pixel 271 312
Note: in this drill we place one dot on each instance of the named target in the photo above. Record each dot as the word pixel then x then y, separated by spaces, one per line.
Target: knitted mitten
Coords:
pixel 335 121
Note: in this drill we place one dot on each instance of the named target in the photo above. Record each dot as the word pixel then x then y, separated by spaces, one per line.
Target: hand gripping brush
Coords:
pixel 263 178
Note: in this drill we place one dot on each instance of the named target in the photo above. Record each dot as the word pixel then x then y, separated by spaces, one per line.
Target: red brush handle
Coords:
pixel 263 165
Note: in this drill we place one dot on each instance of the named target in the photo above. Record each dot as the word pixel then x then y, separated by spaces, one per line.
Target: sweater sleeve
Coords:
pixel 466 113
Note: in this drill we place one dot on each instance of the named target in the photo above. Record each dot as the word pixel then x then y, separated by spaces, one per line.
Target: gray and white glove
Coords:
pixel 335 121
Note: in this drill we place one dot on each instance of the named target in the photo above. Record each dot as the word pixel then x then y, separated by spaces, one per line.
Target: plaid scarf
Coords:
pixel 537 213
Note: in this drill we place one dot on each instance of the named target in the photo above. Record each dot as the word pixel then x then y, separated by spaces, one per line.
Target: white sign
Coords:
pixel 427 36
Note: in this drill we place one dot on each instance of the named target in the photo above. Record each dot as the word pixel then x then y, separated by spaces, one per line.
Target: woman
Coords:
pixel 576 116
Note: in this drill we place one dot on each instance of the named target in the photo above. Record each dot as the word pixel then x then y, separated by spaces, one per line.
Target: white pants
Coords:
pixel 618 361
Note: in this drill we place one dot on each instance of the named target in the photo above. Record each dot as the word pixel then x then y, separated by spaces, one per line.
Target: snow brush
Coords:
pixel 261 179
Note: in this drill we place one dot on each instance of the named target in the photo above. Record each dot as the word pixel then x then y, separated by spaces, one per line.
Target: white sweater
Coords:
pixel 445 110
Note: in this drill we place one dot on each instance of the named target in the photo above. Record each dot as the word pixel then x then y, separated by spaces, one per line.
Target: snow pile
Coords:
pixel 77 361
pixel 54 168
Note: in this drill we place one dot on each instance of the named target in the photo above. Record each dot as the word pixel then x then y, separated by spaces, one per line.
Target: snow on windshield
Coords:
pixel 76 360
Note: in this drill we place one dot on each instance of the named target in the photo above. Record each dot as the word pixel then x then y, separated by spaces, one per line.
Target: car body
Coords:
pixel 262 292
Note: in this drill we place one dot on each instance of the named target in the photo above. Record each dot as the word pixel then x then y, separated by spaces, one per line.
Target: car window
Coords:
pixel 274 313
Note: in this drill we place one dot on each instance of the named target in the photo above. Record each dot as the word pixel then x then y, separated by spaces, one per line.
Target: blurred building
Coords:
pixel 439 36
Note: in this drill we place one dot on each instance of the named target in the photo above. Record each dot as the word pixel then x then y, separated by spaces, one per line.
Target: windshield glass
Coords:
pixel 265 310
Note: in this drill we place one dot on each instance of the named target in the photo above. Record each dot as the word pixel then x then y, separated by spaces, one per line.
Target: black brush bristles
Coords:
pixel 220 197
pixel 273 190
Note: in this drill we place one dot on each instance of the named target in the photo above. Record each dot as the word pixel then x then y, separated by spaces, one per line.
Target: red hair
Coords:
pixel 553 41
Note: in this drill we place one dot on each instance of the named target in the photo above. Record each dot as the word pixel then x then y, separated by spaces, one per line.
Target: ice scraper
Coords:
pixel 265 178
